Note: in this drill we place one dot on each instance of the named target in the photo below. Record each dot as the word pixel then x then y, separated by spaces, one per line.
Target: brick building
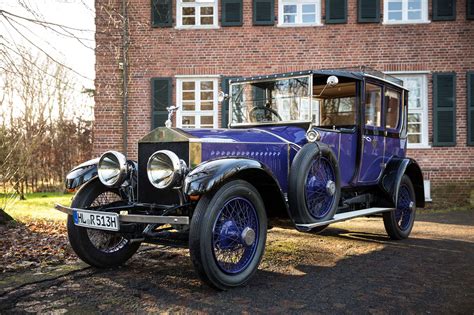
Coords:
pixel 182 52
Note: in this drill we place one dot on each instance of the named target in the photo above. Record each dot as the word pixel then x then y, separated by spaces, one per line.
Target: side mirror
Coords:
pixel 332 81
pixel 222 96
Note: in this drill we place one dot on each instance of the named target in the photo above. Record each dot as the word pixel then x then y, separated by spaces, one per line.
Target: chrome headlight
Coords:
pixel 112 168
pixel 164 169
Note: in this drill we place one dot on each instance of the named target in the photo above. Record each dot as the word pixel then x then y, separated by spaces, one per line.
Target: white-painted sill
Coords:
pixel 300 25
pixel 213 27
pixel 405 22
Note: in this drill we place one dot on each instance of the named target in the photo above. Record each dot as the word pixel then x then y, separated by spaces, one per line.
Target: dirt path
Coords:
pixel 351 268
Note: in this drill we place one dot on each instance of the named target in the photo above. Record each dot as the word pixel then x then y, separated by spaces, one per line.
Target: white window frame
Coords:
pixel 197 5
pixel 299 13
pixel 197 113
pixel 405 20
pixel 424 106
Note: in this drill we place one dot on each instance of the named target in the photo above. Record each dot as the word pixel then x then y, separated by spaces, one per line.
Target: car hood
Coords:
pixel 275 134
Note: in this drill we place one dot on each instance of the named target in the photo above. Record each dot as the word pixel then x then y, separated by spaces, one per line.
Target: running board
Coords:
pixel 342 217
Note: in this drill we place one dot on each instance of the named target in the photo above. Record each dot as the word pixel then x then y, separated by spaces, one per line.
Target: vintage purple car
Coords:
pixel 314 147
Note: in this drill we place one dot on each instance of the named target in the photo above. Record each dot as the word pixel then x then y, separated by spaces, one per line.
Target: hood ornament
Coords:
pixel 171 110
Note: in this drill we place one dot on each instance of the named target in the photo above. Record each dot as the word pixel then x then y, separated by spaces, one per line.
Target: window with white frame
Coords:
pixel 405 11
pixel 197 101
pixel 196 13
pixel 417 108
pixel 299 12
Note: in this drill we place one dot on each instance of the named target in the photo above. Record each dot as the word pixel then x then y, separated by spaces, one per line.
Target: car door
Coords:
pixel 372 152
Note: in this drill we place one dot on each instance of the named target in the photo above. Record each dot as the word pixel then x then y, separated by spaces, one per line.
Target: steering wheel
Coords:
pixel 254 116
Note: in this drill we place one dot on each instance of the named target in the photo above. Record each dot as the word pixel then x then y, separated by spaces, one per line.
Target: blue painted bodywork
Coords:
pixel 275 147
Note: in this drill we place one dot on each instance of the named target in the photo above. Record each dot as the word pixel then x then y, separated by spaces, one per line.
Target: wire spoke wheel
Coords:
pixel 105 241
pixel 404 209
pixel 227 234
pixel 320 188
pixel 399 222
pixel 235 235
pixel 98 248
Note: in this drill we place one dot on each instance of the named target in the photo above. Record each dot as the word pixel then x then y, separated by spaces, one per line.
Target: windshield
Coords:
pixel 283 100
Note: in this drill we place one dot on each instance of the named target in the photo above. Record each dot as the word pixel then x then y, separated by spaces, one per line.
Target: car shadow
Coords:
pixel 411 276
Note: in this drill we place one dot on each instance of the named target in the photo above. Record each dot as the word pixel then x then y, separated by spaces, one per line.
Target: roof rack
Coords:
pixel 373 72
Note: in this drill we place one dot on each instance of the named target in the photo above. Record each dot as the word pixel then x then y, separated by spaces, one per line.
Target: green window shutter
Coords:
pixel 225 103
pixel 470 9
pixel 336 11
pixel 444 10
pixel 368 11
pixel 160 99
pixel 161 13
pixel 231 13
pixel 263 12
pixel 444 109
pixel 470 108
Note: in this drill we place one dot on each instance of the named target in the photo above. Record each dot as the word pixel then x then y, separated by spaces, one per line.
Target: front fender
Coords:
pixel 392 177
pixel 81 174
pixel 213 173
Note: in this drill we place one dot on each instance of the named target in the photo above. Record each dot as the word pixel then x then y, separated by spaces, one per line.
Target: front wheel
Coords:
pixel 227 235
pixel 399 222
pixel 98 248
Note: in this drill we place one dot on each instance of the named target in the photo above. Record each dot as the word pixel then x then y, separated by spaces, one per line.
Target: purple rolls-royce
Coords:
pixel 314 147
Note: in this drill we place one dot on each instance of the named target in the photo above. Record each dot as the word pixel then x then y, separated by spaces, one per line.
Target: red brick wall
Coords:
pixel 255 50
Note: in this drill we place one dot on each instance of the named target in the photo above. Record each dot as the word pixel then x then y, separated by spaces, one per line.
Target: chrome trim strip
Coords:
pixel 293 122
pixel 342 217
pixel 135 218
pixel 278 137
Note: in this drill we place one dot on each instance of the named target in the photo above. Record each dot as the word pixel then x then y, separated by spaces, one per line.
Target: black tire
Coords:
pixel 300 168
pixel 120 249
pixel 204 226
pixel 399 222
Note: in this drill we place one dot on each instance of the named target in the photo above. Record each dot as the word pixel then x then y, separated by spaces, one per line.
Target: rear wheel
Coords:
pixel 227 235
pixel 98 248
pixel 399 222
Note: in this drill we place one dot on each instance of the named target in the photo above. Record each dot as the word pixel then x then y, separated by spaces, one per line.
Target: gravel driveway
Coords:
pixel 352 267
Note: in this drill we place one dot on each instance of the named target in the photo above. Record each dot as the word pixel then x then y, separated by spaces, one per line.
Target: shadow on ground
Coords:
pixel 344 270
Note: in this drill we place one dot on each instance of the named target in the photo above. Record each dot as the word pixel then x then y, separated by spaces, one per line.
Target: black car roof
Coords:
pixel 358 73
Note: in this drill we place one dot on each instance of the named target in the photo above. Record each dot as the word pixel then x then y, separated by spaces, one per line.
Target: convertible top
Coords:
pixel 357 73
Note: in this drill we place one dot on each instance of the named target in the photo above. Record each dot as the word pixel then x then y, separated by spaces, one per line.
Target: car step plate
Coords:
pixel 96 220
pixel 342 217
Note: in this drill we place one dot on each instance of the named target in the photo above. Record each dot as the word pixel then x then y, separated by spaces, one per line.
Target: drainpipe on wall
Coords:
pixel 125 45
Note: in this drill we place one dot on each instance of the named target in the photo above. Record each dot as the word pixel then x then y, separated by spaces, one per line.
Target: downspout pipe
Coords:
pixel 125 46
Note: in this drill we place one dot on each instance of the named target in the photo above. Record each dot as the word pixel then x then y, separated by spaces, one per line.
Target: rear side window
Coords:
pixel 392 105
pixel 373 105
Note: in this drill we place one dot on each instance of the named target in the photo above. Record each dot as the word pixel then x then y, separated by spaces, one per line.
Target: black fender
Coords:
pixel 212 174
pixel 392 176
pixel 81 174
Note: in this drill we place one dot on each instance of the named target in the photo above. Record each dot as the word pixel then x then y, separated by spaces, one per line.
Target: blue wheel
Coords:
pixel 399 222
pixel 314 185
pixel 227 235
pixel 235 235
pixel 320 188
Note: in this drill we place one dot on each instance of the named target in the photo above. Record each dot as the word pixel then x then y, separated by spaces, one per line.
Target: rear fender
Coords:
pixel 210 175
pixel 81 174
pixel 390 181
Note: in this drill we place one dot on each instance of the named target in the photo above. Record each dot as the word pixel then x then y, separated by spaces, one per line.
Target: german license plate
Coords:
pixel 96 220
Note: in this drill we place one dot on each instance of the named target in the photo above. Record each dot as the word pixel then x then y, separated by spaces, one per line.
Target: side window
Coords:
pixel 392 108
pixel 373 105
